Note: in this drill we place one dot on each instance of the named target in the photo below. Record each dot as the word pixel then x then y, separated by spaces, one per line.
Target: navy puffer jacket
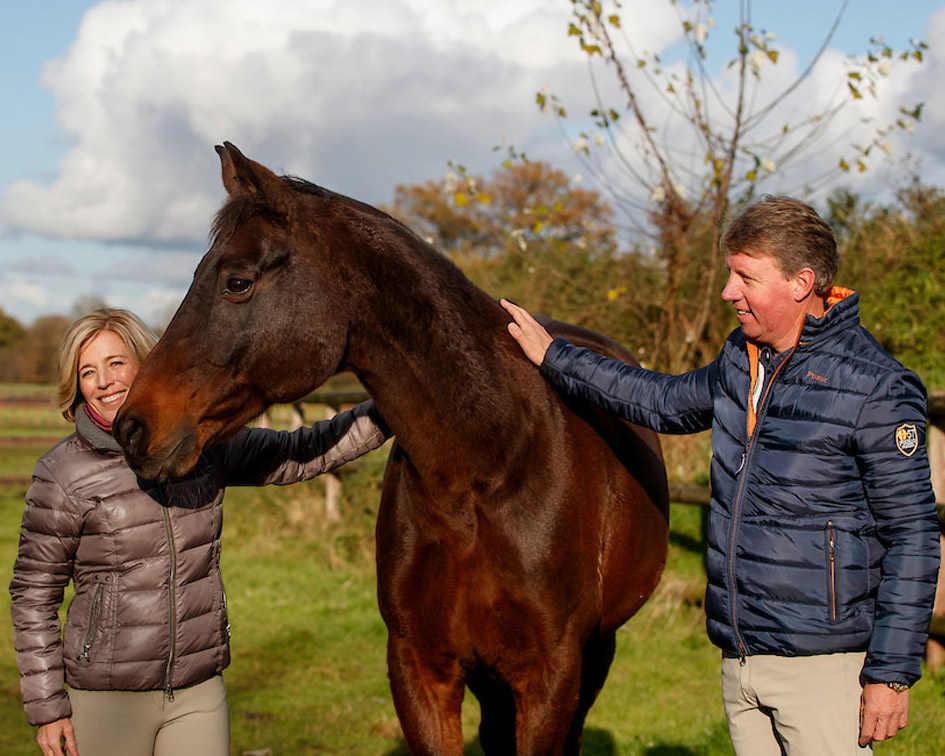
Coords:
pixel 822 533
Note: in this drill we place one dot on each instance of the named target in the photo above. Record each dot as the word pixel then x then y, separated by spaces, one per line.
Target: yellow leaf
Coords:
pixel 484 199
pixel 612 294
pixel 844 165
pixel 751 175
pixel 460 199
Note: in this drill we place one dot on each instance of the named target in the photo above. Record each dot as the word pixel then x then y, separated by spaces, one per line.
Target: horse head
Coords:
pixel 260 306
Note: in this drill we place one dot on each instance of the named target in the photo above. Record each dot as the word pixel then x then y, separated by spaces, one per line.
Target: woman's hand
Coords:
pixel 530 335
pixel 52 736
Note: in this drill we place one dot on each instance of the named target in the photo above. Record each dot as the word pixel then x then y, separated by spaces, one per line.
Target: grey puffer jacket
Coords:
pixel 149 611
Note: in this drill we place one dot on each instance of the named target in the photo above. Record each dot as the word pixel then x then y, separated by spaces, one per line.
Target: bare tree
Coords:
pixel 673 148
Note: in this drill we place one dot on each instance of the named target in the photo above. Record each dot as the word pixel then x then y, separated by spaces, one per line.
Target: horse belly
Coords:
pixel 635 538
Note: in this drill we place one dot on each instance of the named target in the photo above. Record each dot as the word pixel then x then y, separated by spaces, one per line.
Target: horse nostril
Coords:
pixel 134 435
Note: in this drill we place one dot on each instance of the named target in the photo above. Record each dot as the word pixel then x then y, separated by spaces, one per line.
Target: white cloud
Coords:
pixel 358 95
pixel 354 94
pixel 15 292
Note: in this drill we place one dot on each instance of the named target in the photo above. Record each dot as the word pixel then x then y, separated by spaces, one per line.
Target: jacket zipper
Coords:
pixel 172 603
pixel 832 552
pixel 94 613
pixel 746 459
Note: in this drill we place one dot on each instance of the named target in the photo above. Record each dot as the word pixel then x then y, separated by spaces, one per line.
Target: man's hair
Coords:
pixel 789 231
pixel 137 337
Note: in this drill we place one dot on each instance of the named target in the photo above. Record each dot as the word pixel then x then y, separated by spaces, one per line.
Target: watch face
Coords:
pixel 898 687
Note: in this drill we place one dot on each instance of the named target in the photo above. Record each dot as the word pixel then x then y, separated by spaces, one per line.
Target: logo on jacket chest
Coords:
pixel 814 377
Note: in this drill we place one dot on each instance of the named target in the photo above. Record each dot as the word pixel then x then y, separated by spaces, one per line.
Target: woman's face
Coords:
pixel 106 370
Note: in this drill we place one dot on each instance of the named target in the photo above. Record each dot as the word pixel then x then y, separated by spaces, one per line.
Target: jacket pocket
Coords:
pixel 847 555
pixel 830 536
pixel 95 616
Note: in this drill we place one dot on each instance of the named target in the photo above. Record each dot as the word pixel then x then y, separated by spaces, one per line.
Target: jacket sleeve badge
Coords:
pixel 907 439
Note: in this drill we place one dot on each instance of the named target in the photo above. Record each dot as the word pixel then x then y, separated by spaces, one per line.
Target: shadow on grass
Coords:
pixel 686 542
pixel 596 743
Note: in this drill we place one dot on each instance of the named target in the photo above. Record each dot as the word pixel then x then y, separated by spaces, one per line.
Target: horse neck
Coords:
pixel 434 353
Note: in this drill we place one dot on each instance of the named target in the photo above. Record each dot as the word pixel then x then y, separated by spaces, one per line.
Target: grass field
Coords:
pixel 308 673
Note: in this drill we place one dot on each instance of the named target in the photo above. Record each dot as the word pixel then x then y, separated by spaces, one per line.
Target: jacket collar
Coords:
pixel 843 311
pixel 94 435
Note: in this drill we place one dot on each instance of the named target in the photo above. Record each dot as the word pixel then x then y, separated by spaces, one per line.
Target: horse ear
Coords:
pixel 244 176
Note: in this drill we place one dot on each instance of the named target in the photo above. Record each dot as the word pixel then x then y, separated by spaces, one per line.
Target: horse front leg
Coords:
pixel 428 697
pixel 547 697
pixel 597 657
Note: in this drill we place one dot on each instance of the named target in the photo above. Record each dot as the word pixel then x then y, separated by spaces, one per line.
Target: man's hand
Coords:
pixel 531 337
pixel 883 712
pixel 51 736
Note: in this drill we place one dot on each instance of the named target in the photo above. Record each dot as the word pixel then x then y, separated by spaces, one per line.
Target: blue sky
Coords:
pixel 108 178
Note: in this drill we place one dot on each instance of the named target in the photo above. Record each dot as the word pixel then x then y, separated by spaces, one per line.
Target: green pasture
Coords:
pixel 308 673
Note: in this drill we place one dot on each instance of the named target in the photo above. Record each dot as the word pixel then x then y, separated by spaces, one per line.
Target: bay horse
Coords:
pixel 516 530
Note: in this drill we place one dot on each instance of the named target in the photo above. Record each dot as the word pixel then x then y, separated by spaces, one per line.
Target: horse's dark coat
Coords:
pixel 516 532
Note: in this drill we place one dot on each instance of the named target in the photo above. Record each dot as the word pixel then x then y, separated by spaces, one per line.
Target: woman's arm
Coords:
pixel 260 456
pixel 49 537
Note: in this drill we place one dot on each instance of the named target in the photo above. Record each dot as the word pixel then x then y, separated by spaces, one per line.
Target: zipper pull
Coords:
pixel 86 647
pixel 169 693
pixel 741 465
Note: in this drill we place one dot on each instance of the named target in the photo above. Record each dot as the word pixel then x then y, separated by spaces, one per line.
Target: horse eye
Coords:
pixel 238 285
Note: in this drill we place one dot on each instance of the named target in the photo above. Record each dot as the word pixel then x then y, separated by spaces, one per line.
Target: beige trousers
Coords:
pixel 794 706
pixel 145 723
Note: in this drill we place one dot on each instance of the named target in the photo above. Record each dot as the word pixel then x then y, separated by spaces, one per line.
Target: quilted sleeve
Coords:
pixel 892 458
pixel 260 456
pixel 661 402
pixel 49 537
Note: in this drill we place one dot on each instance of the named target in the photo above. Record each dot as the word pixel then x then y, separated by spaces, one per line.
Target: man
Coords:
pixel 822 538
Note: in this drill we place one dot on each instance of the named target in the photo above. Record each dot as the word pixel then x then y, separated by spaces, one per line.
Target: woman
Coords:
pixel 146 636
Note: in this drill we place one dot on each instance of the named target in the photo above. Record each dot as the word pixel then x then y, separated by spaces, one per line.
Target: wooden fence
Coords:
pixel 935 653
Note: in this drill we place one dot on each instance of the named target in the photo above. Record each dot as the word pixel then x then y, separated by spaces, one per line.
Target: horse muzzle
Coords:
pixel 170 457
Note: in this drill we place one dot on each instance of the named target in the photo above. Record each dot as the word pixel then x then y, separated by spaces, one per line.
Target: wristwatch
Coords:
pixel 898 687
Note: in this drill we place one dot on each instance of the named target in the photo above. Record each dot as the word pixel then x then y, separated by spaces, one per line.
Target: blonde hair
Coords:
pixel 138 338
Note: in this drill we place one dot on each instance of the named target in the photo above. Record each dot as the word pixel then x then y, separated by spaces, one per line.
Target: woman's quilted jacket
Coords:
pixel 149 611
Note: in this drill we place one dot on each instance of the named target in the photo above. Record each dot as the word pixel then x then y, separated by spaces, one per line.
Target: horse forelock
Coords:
pixel 235 211
pixel 239 208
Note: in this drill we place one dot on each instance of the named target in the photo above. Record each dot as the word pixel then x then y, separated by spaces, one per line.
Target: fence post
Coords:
pixel 935 650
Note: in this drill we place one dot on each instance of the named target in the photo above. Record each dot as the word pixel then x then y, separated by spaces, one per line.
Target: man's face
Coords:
pixel 766 302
